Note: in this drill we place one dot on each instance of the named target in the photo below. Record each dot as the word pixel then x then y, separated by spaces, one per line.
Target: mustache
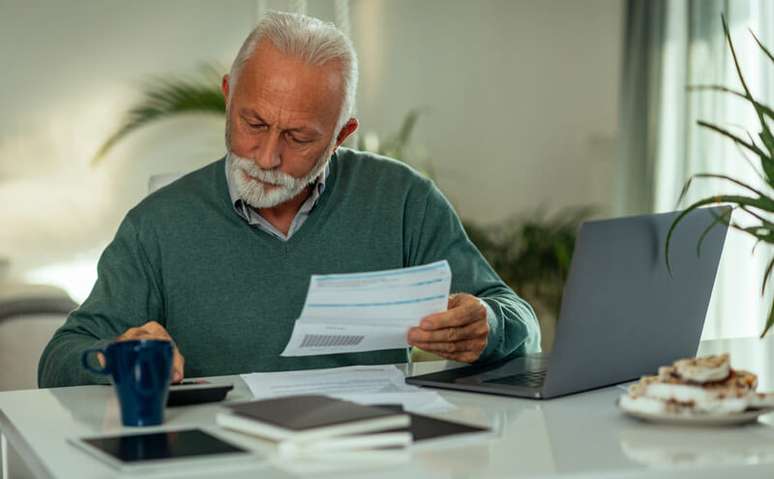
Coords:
pixel 274 177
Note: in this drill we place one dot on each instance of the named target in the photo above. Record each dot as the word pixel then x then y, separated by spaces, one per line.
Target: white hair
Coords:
pixel 310 39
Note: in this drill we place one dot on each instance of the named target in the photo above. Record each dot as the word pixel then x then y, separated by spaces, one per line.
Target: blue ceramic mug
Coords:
pixel 140 372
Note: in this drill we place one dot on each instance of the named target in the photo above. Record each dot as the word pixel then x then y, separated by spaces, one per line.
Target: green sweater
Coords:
pixel 228 293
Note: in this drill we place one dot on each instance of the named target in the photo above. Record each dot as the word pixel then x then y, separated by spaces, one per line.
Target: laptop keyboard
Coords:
pixel 530 379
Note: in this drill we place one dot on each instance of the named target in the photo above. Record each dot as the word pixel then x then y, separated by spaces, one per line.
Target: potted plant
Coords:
pixel 532 255
pixel 755 204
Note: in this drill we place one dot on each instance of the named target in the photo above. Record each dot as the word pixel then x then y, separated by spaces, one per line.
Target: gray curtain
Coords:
pixel 644 34
pixel 668 46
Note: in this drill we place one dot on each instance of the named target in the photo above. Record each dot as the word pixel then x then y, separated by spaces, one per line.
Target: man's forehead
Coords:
pixel 273 80
pixel 275 69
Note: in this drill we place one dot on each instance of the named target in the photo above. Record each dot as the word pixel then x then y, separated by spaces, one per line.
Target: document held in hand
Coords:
pixel 346 313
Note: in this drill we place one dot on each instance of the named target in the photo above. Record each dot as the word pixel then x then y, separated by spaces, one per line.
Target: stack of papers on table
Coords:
pixel 360 384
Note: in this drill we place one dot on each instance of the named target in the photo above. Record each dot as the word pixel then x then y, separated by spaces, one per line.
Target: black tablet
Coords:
pixel 145 452
pixel 196 392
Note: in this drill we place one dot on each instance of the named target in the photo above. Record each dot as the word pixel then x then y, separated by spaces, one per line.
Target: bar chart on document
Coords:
pixel 367 311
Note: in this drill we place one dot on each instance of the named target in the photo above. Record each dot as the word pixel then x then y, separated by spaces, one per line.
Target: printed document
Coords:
pixel 361 384
pixel 346 313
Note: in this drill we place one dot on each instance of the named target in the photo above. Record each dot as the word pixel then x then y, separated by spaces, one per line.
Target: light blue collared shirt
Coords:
pixel 254 218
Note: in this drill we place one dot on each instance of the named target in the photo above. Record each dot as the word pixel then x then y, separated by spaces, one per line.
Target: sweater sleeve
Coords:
pixel 434 232
pixel 125 295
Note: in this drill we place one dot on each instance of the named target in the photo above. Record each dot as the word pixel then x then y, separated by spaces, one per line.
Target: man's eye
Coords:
pixel 299 141
pixel 256 126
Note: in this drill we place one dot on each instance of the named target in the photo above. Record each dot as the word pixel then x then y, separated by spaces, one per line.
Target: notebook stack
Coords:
pixel 319 423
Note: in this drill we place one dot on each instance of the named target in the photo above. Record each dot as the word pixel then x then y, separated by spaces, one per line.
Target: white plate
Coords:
pixel 735 419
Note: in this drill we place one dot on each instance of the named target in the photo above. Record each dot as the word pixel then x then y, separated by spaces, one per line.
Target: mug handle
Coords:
pixel 89 367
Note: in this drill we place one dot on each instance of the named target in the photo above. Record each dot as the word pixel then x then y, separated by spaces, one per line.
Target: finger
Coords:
pixel 149 330
pixel 156 329
pixel 468 357
pixel 178 366
pixel 469 345
pixel 449 335
pixel 461 315
pixel 139 335
pixel 455 299
pixel 460 347
pixel 134 333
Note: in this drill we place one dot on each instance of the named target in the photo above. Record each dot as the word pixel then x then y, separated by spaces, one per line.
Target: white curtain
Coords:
pixel 685 46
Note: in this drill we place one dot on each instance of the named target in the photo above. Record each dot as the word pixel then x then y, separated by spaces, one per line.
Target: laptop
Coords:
pixel 622 315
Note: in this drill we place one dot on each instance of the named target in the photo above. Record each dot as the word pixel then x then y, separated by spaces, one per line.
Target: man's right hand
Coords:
pixel 153 330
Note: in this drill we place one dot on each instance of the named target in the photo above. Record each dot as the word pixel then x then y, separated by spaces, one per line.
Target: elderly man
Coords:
pixel 220 260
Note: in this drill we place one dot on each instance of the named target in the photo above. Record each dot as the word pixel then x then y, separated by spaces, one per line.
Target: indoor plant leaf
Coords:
pixel 769 321
pixel 767 110
pixel 749 145
pixel 763 47
pixel 164 98
pixel 766 275
pixel 739 74
pixel 762 203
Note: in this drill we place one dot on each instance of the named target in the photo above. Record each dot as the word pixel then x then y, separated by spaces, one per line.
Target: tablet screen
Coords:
pixel 185 444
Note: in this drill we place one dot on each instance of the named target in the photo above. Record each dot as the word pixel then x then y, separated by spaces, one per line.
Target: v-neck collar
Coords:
pixel 314 214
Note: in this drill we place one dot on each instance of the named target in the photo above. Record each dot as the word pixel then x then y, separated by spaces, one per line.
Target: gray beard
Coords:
pixel 256 194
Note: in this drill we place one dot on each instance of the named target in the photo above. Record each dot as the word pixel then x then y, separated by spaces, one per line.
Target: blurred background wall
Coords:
pixel 518 104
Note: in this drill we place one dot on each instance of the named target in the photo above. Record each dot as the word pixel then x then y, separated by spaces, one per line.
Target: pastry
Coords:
pixel 696 386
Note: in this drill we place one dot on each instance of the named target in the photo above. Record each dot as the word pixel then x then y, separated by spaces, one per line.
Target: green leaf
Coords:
pixel 760 232
pixel 767 110
pixel 764 203
pixel 763 220
pixel 768 141
pixel 749 145
pixel 163 99
pixel 738 68
pixel 769 321
pixel 750 163
pixel 723 218
pixel 765 50
pixel 766 275
pixel 766 133
pixel 728 178
pixel 767 163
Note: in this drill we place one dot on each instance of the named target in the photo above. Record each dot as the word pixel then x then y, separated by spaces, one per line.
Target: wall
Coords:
pixel 519 104
pixel 520 96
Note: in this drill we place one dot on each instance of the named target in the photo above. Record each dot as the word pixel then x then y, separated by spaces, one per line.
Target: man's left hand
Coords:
pixel 459 333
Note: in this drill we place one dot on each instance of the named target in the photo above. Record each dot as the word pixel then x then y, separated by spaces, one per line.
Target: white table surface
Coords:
pixel 583 435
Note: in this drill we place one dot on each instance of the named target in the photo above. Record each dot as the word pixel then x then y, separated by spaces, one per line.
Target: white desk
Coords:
pixel 580 436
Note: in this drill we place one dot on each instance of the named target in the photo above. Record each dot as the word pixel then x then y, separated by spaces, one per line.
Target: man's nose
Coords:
pixel 269 153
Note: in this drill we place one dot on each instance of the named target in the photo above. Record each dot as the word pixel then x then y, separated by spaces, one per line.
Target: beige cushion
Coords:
pixel 22 339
